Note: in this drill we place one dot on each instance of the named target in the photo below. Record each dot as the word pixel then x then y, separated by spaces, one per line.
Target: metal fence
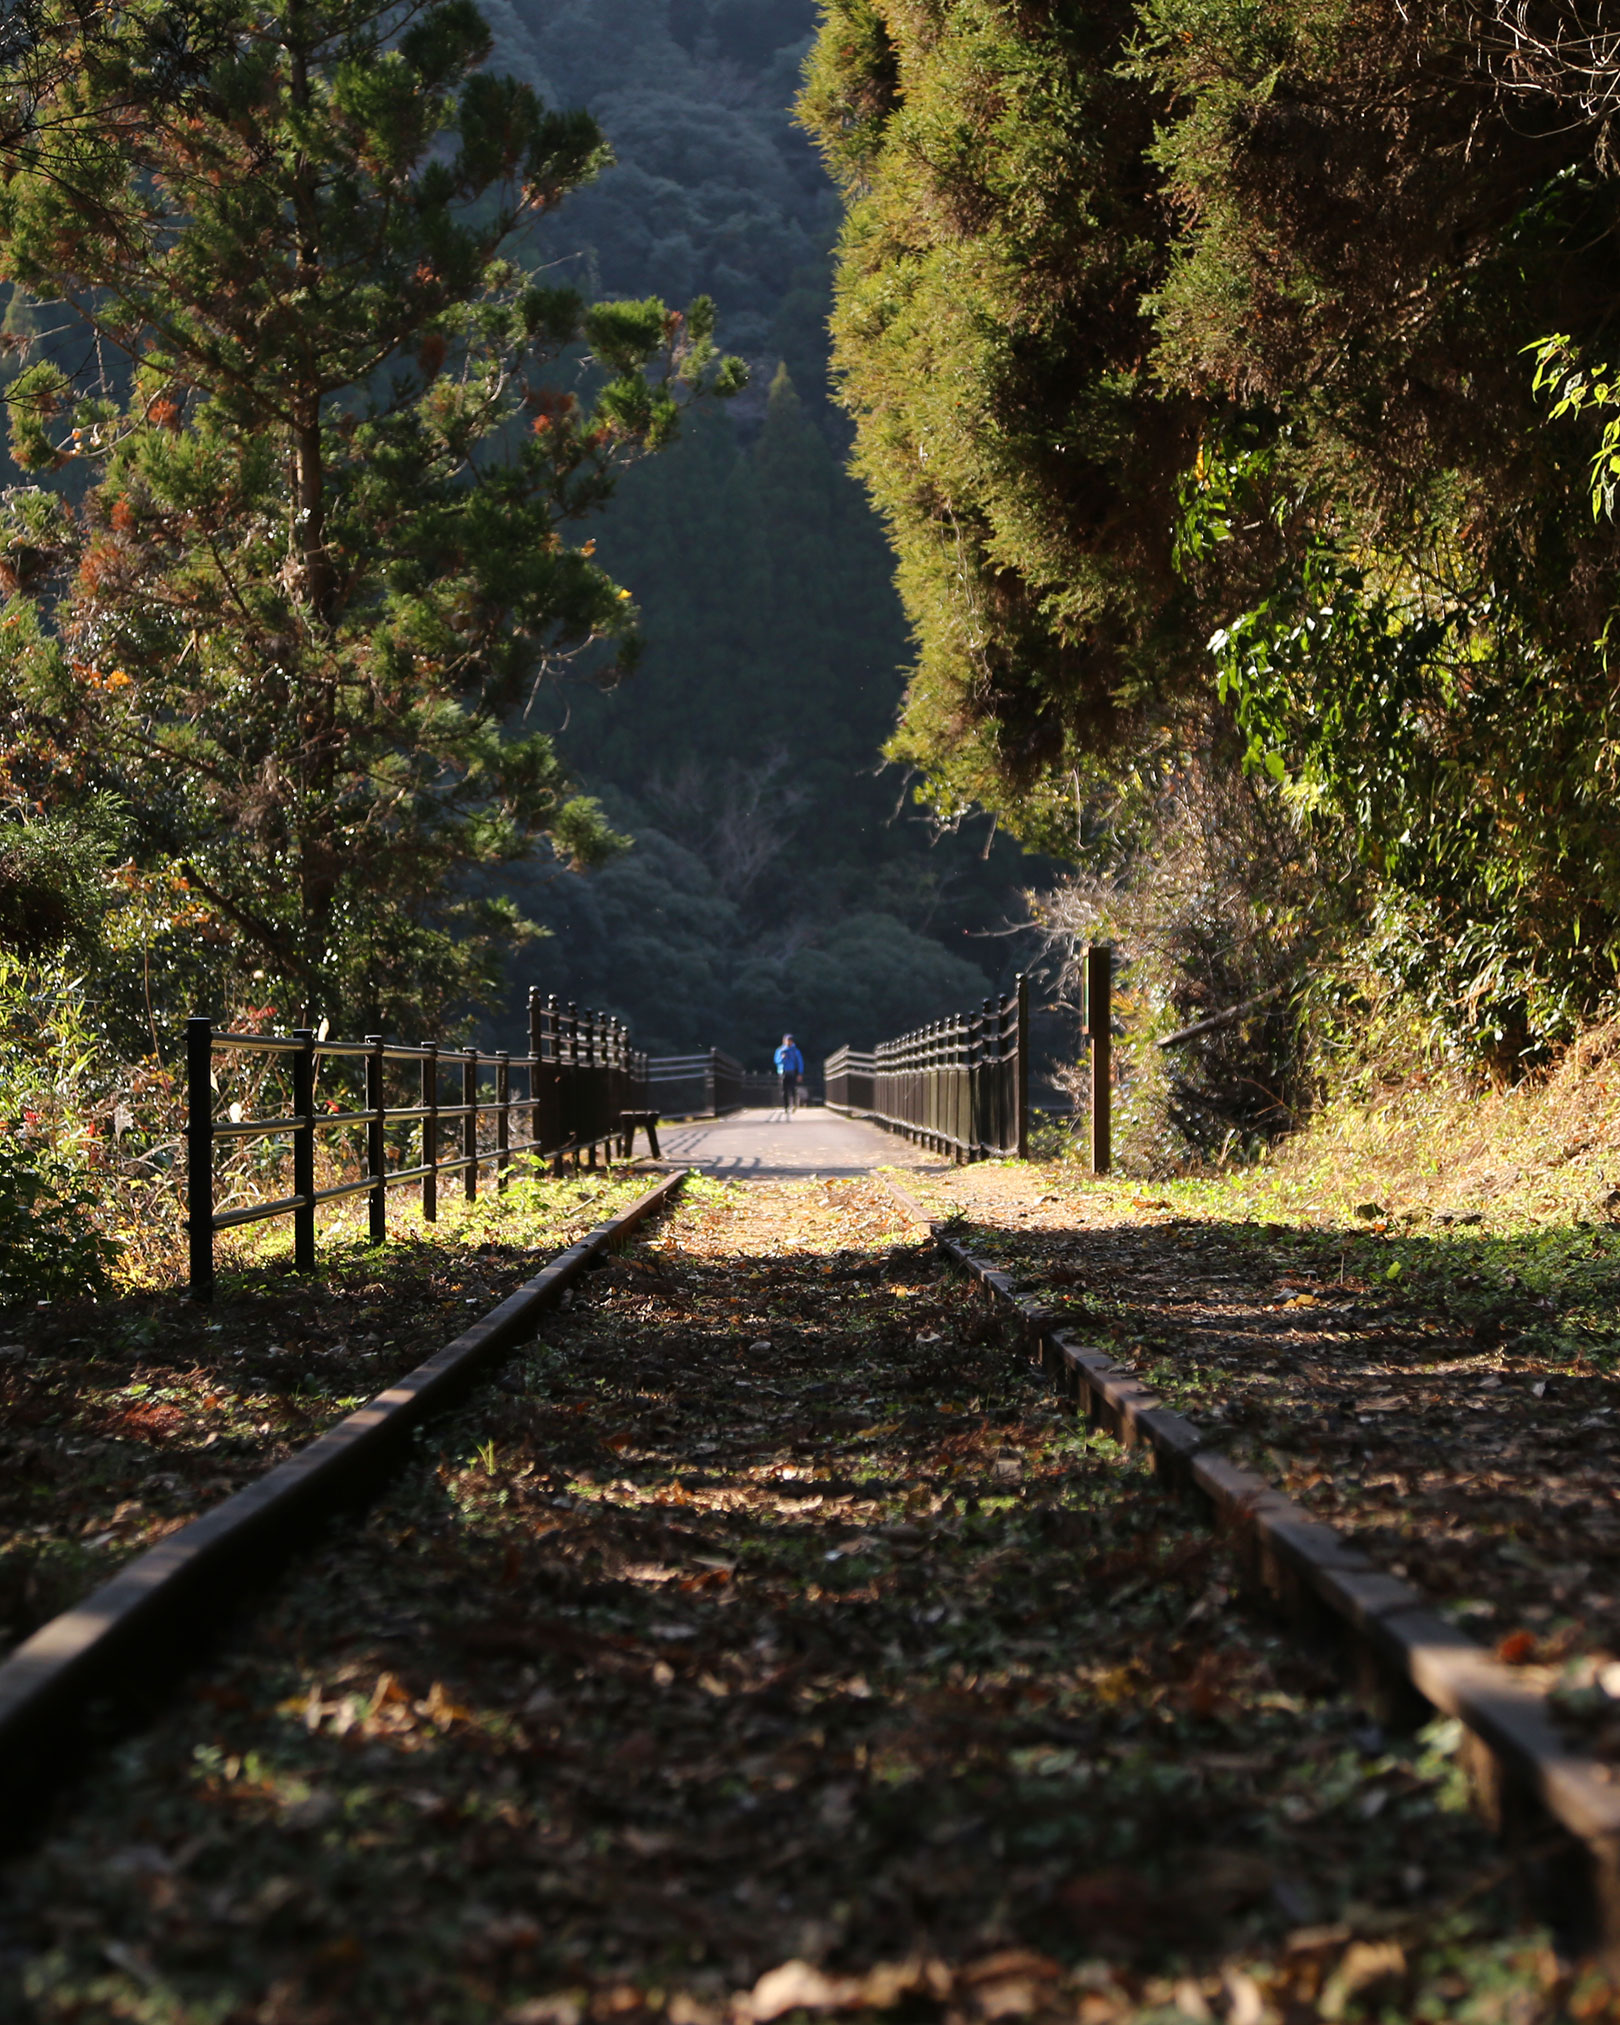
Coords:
pixel 960 1086
pixel 584 1088
pixel 706 1085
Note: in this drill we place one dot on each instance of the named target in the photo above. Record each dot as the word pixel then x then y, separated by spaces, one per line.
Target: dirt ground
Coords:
pixel 1436 1394
pixel 766 1639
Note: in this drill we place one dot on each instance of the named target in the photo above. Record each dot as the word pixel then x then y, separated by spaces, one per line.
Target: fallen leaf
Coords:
pixel 565 2009
pixel 792 1986
pixel 1364 1965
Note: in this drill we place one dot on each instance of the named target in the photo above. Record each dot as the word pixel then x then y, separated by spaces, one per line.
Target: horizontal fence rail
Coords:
pixel 710 1084
pixel 584 1088
pixel 960 1086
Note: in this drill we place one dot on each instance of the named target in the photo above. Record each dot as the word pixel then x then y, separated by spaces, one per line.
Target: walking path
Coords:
pixel 767 1145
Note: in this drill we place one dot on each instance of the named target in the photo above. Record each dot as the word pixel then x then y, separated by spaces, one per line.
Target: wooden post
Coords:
pixel 1021 1071
pixel 503 1117
pixel 592 1091
pixel 469 1124
pixel 1099 1008
pixel 376 1140
pixel 303 1103
pixel 430 1132
pixel 537 1011
pixel 200 1154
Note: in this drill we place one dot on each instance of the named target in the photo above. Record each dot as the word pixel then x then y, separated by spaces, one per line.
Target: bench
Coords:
pixel 628 1121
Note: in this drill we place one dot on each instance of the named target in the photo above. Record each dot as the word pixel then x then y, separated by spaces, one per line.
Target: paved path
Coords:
pixel 764 1143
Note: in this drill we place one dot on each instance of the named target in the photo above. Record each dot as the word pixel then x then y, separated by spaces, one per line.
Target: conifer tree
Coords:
pixel 297 558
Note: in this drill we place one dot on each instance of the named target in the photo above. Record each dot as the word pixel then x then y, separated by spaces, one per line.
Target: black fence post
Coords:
pixel 200 1154
pixel 430 1132
pixel 1021 1070
pixel 568 1087
pixel 303 1103
pixel 555 1088
pixel 985 1129
pixel 469 1124
pixel 376 1140
pixel 503 1117
pixel 1100 1028
pixel 536 1097
pixel 593 1080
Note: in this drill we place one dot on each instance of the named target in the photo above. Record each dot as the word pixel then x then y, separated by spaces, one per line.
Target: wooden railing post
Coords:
pixel 1099 1026
pixel 200 1154
pixel 303 1104
pixel 376 1138
pixel 503 1117
pixel 430 1132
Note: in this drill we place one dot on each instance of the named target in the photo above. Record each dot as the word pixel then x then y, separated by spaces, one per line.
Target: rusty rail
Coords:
pixel 146 1621
pixel 1539 1791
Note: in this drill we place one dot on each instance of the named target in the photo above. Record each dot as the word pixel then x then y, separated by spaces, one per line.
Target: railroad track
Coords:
pixel 1406 1661
pixel 767 1637
pixel 128 1635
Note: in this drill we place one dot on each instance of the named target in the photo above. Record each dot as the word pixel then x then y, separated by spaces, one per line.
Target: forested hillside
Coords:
pixel 715 662
pixel 779 877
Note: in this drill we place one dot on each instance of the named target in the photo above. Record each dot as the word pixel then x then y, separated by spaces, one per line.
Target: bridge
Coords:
pixel 765 1145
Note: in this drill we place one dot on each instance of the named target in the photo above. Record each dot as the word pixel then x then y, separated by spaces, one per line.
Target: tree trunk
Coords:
pixel 312 567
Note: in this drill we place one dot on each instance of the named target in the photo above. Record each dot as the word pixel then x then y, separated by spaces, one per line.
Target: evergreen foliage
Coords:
pixel 319 565
pixel 1414 597
pixel 715 190
pixel 1001 234
pixel 1191 320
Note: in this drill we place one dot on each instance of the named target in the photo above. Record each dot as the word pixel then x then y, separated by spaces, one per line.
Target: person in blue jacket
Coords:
pixel 790 1067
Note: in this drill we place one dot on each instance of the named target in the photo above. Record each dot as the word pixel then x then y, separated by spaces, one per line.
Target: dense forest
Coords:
pixel 1201 524
pixel 1234 383
pixel 671 767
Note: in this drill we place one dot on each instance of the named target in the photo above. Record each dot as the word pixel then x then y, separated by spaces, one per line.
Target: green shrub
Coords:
pixel 51 1243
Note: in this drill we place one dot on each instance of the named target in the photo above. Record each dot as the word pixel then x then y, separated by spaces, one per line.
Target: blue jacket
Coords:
pixel 789 1062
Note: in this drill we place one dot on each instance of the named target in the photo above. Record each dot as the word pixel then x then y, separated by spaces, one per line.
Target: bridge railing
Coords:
pixel 582 1084
pixel 707 1084
pixel 960 1086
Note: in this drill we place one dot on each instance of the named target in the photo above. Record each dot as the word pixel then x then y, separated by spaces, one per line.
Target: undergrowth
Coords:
pixel 1425 1141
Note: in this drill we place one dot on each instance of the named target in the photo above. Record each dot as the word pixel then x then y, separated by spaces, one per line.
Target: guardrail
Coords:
pixel 586 1087
pixel 960 1086
pixel 708 1084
